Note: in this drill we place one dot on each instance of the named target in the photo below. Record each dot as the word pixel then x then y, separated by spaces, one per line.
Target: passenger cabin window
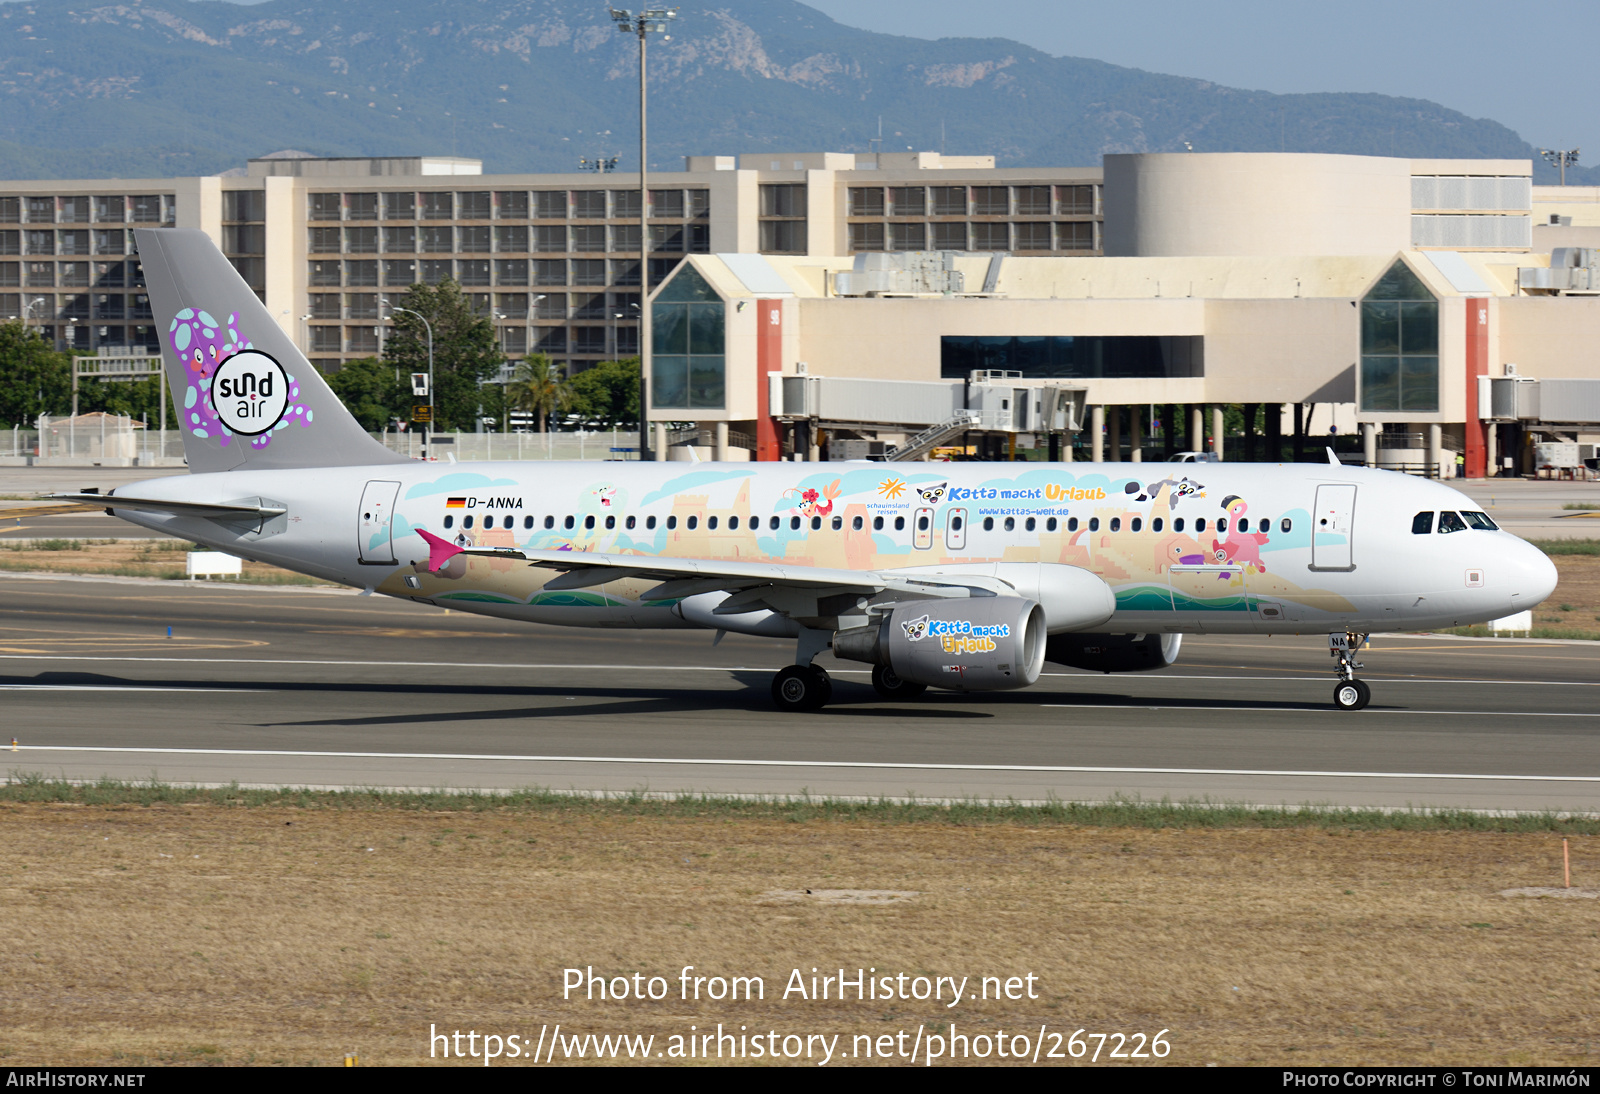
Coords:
pixel 1116 524
pixel 1177 524
pixel 988 524
pixel 1050 525
pixel 1448 522
pixel 1011 524
pixel 1031 524
pixel 692 523
pixel 773 523
pixel 1480 521
pixel 629 523
pixel 1072 524
pixel 711 523
pixel 449 521
pixel 1422 524
pixel 877 524
pixel 1199 524
pixel 611 522
pixel 466 522
pixel 1155 525
pixel 1244 525
pixel 568 523
pixel 816 523
pixel 1264 525
pixel 922 524
pixel 650 522
pixel 855 524
pixel 549 522
pixel 527 521
pixel 672 522
pixel 838 523
pixel 733 524
pixel 794 524
pixel 1285 524
pixel 1094 524
pixel 1135 524
pixel 588 521
pixel 899 524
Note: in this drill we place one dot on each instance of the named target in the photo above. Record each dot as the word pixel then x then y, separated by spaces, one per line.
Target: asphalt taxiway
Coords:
pixel 275 686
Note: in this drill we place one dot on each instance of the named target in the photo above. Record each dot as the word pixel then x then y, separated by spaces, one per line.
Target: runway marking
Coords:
pixel 849 764
pixel 1205 708
pixel 117 687
pixel 1123 678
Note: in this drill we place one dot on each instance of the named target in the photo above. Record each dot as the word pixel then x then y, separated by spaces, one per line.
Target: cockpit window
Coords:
pixel 1480 521
pixel 1449 522
pixel 1422 524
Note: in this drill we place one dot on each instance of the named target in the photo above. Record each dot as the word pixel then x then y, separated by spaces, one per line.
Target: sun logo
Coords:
pixel 892 488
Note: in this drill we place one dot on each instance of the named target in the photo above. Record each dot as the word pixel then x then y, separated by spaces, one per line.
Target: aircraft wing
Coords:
pixel 755 585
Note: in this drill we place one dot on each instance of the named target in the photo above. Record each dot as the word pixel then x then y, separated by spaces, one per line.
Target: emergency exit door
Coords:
pixel 375 524
pixel 1333 527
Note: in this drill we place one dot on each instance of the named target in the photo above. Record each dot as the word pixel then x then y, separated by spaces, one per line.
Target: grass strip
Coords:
pixel 1119 812
pixel 1567 546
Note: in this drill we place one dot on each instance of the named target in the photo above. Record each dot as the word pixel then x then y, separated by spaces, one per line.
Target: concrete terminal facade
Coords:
pixel 1383 290
pixel 1380 291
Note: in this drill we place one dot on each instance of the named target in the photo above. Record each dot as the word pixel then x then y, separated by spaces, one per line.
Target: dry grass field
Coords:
pixel 210 934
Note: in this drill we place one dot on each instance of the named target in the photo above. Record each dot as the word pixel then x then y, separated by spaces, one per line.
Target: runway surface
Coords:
pixel 310 687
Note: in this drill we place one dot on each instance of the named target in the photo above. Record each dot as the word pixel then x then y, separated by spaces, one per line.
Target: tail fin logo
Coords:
pixel 250 391
pixel 231 388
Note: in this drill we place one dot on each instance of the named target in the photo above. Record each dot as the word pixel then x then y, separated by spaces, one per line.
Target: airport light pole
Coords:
pixel 641 24
pixel 429 326
pixel 1562 159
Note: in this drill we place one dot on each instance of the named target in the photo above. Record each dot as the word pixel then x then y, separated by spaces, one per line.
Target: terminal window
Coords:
pixel 1073 358
pixel 1399 344
pixel 687 334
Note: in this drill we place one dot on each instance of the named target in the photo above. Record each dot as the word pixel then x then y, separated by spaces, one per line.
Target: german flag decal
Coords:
pixel 455 503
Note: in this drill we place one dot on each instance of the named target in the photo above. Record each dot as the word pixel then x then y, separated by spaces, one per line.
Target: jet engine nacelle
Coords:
pixel 986 643
pixel 1113 652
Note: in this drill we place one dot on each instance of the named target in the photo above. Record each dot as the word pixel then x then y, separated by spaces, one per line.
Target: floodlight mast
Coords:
pixel 641 24
pixel 1561 158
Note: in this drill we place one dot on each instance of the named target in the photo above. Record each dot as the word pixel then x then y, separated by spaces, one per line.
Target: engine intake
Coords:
pixel 977 644
pixel 1113 652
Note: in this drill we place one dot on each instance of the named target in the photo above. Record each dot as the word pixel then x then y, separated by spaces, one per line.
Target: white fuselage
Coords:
pixel 1302 548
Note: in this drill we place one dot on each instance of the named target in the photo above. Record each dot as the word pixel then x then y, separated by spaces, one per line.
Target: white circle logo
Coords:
pixel 250 392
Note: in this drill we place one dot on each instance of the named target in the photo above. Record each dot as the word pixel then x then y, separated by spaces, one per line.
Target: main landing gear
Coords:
pixel 1349 693
pixel 804 686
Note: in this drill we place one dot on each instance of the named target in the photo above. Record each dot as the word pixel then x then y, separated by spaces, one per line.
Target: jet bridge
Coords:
pixel 928 413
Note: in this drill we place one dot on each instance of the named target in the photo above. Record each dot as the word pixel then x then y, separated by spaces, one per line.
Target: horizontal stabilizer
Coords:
pixel 212 510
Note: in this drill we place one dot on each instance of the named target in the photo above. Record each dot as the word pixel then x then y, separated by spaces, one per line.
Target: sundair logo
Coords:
pixel 250 391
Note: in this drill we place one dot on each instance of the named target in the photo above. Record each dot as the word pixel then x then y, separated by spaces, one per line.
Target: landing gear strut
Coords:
pixel 804 686
pixel 1349 693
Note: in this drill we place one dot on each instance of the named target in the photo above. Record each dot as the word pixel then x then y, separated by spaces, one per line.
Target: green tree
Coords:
pixel 608 393
pixel 465 352
pixel 375 391
pixel 538 387
pixel 34 378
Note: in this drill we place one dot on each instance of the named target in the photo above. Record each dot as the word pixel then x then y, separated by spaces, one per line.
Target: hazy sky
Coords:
pixel 1522 65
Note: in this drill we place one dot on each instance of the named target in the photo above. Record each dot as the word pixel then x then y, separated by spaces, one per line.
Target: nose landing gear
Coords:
pixel 1349 693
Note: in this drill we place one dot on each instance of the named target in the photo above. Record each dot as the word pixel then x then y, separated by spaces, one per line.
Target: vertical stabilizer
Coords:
pixel 246 397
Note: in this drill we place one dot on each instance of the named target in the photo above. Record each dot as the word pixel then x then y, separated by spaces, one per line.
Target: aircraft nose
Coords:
pixel 1537 577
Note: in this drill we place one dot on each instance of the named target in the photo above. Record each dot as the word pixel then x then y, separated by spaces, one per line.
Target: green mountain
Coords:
pixel 178 87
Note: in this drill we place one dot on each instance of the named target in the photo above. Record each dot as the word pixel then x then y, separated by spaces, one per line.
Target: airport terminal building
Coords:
pixel 830 304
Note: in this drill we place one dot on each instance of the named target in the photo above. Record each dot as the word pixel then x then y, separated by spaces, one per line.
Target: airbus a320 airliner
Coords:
pixel 959 576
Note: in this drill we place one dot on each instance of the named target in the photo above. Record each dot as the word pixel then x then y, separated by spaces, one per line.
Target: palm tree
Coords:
pixel 539 386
